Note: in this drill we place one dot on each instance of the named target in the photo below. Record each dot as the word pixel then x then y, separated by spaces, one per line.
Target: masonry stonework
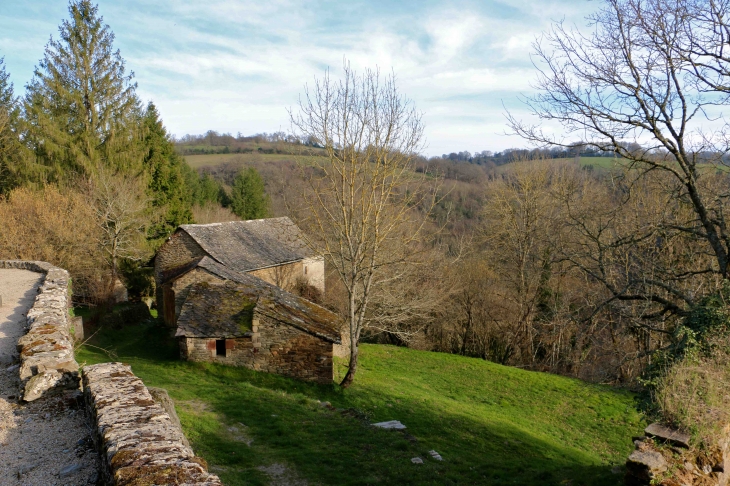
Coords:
pixel 284 276
pixel 179 250
pixel 140 444
pixel 271 347
pixel 47 362
pixel 270 249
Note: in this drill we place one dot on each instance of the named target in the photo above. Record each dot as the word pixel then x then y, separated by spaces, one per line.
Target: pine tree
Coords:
pixel 248 197
pixel 170 177
pixel 81 106
pixel 12 153
pixel 7 100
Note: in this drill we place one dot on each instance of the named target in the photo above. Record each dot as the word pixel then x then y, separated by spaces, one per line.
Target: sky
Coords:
pixel 239 66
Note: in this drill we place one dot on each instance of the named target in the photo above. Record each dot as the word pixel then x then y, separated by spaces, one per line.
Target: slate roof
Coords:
pixel 244 246
pixel 221 310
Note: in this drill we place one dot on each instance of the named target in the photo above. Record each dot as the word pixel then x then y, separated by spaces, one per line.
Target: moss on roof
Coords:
pixel 244 246
pixel 218 310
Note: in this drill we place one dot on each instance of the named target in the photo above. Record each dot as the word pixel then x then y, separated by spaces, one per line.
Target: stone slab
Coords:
pixel 668 434
pixel 392 424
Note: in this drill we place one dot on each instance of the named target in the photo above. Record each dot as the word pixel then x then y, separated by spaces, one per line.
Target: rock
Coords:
pixel 48 381
pixel 392 424
pixel 130 426
pixel 417 460
pixel 26 469
pixel 436 455
pixel 617 469
pixel 161 396
pixel 76 324
pixel 69 470
pixel 667 434
pixel 645 465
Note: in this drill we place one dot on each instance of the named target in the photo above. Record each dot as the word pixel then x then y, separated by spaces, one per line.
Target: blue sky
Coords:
pixel 237 66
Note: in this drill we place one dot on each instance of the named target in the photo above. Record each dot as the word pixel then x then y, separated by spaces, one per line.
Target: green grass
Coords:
pixel 493 425
pixel 210 160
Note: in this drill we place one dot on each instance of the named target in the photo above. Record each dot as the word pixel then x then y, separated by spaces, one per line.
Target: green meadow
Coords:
pixel 493 425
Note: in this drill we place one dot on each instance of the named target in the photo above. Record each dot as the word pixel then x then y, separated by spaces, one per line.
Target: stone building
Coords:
pixel 249 322
pixel 271 249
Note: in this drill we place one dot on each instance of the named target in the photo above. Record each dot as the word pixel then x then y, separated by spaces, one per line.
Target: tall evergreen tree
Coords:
pixel 81 106
pixel 12 152
pixel 248 197
pixel 170 177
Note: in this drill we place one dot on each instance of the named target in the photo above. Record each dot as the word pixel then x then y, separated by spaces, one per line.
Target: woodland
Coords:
pixel 602 255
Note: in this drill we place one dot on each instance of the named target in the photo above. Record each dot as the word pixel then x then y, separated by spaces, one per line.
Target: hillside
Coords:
pixel 492 424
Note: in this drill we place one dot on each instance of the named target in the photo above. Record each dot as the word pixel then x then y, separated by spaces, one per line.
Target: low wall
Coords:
pixel 666 455
pixel 272 347
pixel 138 441
pixel 47 361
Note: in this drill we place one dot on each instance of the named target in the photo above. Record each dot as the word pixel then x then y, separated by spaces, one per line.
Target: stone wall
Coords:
pixel 47 363
pixel 177 251
pixel 665 456
pixel 284 276
pixel 181 286
pixel 272 347
pixel 314 272
pixel 139 443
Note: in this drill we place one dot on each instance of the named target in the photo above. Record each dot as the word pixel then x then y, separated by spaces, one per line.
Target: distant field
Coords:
pixel 493 425
pixel 197 161
pixel 597 162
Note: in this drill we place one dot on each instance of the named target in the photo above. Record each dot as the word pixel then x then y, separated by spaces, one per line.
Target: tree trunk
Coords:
pixel 352 368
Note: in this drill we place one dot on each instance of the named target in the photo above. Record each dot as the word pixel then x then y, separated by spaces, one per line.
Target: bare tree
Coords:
pixel 121 213
pixel 646 84
pixel 365 206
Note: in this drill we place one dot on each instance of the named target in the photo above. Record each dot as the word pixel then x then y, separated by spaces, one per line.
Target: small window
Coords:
pixel 220 347
pixel 305 270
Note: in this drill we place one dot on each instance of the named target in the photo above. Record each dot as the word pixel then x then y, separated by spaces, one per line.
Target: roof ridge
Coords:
pixel 202 225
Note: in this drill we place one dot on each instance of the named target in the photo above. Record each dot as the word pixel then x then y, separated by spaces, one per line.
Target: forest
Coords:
pixel 602 255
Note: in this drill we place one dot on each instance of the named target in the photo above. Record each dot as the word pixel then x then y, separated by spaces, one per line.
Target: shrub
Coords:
pixel 690 380
pixel 60 227
pixel 693 395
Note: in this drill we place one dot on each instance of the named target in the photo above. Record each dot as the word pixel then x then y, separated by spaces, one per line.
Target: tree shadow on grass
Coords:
pixel 333 448
pixel 289 425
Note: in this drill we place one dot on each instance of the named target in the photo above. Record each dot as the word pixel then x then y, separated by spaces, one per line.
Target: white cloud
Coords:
pixel 237 65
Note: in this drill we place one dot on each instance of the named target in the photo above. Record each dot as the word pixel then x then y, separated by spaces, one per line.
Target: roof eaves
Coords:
pixel 329 338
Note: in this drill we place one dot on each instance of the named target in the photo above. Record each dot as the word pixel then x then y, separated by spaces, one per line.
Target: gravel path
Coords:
pixel 46 442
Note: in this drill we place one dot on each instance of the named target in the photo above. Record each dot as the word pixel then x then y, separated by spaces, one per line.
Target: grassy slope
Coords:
pixel 492 424
pixel 210 160
pixel 197 161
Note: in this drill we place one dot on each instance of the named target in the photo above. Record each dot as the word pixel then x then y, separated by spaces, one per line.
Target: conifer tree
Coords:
pixel 169 186
pixel 81 107
pixel 248 197
pixel 12 153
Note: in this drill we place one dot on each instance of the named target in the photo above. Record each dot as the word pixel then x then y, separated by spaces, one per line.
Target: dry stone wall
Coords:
pixel 179 250
pixel 47 363
pixel 139 443
pixel 272 347
pixel 665 456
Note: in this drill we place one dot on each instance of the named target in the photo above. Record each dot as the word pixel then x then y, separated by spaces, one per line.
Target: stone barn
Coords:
pixel 271 249
pixel 257 325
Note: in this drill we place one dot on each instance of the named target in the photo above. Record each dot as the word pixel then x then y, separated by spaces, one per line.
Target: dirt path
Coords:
pixel 46 442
